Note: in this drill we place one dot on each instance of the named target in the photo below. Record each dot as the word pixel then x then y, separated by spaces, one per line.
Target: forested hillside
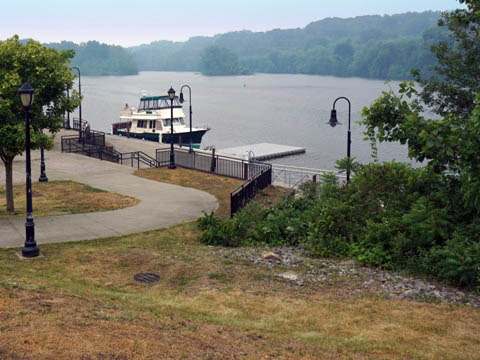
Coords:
pixel 383 47
pixel 94 58
pixel 374 46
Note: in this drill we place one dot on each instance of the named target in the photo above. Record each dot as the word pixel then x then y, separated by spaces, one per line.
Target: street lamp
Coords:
pixel 190 102
pixel 30 248
pixel 43 176
pixel 79 106
pixel 171 96
pixel 333 122
pixel 68 112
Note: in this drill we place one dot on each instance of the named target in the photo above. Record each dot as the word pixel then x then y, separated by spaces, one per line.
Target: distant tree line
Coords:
pixel 379 47
pixel 94 58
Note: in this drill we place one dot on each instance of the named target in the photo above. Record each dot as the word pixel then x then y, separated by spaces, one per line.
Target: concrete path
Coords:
pixel 161 205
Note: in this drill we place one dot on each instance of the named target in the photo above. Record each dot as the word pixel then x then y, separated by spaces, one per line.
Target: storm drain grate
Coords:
pixel 146 277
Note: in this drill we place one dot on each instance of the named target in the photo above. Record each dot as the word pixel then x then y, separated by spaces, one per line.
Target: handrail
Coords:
pixel 240 187
pixel 219 156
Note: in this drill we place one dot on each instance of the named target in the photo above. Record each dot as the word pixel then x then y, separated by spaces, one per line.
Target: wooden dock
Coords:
pixel 263 151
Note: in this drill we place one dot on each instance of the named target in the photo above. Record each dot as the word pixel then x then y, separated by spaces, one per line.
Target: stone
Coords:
pixel 271 256
pixel 410 293
pixel 289 276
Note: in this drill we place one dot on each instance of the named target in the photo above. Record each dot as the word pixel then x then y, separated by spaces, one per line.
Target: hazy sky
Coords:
pixel 128 22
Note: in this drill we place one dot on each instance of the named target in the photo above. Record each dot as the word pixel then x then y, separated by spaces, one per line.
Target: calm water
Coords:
pixel 283 109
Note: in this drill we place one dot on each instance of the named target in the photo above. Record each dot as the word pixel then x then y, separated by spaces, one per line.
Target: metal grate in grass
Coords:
pixel 146 277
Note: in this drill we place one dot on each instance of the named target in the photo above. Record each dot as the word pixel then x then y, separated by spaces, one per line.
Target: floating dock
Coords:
pixel 263 151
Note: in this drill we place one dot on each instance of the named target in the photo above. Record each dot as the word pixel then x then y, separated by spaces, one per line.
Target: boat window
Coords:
pixel 152 124
pixel 182 121
pixel 142 124
pixel 166 122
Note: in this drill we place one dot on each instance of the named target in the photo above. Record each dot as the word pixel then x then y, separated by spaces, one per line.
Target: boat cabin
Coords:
pixel 157 103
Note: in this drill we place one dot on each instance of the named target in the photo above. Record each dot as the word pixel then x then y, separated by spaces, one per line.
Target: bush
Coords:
pixel 389 215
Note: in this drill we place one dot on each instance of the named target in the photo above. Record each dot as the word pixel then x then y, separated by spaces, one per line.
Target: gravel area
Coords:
pixel 296 267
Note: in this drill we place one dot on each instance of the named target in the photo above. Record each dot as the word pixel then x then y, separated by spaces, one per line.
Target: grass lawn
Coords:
pixel 62 198
pixel 79 301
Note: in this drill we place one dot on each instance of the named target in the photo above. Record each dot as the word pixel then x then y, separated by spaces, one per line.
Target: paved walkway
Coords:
pixel 161 205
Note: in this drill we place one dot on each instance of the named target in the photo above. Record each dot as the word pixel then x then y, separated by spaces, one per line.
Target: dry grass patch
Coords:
pixel 205 306
pixel 64 197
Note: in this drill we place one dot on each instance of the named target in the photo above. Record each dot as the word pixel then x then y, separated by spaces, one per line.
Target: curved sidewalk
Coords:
pixel 161 205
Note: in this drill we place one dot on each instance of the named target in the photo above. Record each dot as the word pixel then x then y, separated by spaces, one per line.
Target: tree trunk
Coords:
pixel 9 184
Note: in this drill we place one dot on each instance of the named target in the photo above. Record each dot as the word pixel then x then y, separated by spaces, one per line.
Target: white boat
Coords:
pixel 152 121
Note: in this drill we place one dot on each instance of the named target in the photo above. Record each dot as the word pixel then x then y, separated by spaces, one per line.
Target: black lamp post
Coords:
pixel 190 102
pixel 79 106
pixel 171 96
pixel 68 112
pixel 333 122
pixel 43 176
pixel 30 248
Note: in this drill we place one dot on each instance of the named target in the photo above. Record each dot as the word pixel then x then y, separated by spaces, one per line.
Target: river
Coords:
pixel 282 109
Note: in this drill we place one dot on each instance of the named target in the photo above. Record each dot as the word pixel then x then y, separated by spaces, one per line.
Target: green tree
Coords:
pixel 450 144
pixel 218 60
pixel 48 72
pixel 456 78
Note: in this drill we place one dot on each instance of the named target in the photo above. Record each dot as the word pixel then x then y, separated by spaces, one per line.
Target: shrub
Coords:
pixel 389 215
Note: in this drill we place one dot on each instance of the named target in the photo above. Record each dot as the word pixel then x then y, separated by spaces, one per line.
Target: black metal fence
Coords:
pixel 88 139
pixel 77 123
pixel 136 159
pixel 257 174
pixel 212 163
pixel 92 144
pixel 246 192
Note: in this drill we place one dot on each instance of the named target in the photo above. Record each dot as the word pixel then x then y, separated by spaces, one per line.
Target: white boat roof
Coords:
pixel 157 115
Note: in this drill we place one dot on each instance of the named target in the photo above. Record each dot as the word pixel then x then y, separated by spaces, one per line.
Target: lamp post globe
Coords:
pixel 26 93
pixel 333 119
pixel 30 248
pixel 171 96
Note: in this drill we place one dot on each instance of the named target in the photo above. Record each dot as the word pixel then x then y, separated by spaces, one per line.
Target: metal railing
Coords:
pixel 77 124
pixel 92 144
pixel 292 176
pixel 212 163
pixel 258 175
pixel 88 139
pixel 246 192
pixel 138 158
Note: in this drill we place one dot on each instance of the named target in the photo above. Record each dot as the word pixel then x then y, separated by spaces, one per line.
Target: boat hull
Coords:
pixel 196 137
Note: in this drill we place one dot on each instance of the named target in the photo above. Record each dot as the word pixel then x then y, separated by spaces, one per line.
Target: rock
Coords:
pixel 326 272
pixel 410 293
pixel 271 256
pixel 289 276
